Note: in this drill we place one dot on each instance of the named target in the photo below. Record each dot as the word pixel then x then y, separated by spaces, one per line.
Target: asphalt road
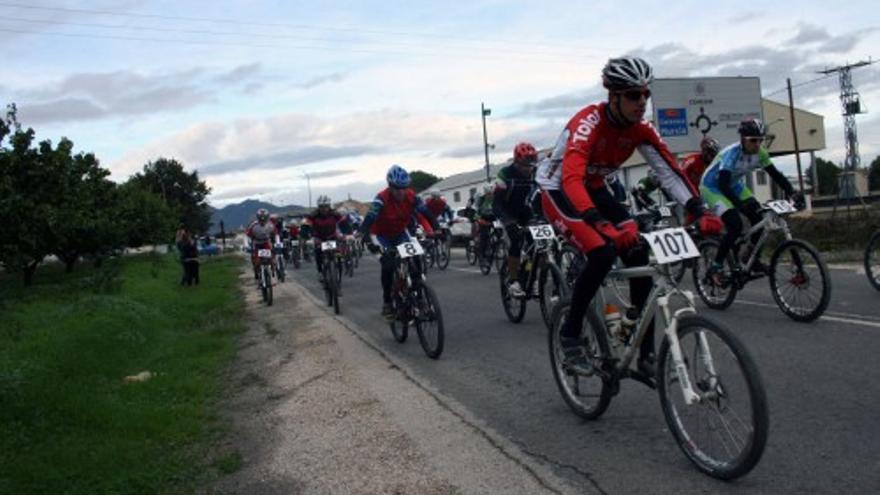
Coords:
pixel 822 386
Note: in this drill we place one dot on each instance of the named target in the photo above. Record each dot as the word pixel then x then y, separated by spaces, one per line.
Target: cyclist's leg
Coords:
pixel 600 254
pixel 319 258
pixel 729 215
pixel 484 238
pixel 514 233
pixel 639 289
pixel 753 216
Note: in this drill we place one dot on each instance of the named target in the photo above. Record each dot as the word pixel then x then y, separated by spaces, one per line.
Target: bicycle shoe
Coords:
pixel 715 274
pixel 515 290
pixel 387 311
pixel 575 358
pixel 647 366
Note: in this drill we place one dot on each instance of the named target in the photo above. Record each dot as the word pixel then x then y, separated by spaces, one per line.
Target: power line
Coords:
pixel 272 46
pixel 233 33
pixel 811 81
pixel 238 22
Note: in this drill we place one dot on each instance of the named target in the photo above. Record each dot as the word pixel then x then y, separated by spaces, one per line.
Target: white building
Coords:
pixel 459 188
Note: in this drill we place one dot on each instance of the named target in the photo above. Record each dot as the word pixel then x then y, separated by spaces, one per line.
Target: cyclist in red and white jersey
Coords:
pixel 261 234
pixel 594 144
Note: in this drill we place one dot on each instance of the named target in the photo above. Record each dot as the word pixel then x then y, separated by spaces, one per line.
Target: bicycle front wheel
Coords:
pixel 443 254
pixel 725 432
pixel 587 395
pixel 399 325
pixel 799 280
pixel 514 307
pixel 429 323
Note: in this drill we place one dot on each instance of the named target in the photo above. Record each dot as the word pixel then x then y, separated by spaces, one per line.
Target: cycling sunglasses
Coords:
pixel 636 94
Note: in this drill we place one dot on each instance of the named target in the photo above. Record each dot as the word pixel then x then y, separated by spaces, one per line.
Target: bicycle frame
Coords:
pixel 772 222
pixel 662 292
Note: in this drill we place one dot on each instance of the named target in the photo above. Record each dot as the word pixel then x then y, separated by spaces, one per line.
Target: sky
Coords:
pixel 258 95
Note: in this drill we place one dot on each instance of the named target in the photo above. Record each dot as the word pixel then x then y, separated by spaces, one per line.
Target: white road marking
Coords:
pixel 853 318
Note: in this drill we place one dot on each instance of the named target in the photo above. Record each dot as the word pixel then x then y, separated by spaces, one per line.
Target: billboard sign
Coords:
pixel 685 110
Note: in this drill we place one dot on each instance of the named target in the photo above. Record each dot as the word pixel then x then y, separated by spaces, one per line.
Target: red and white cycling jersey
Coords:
pixel 591 147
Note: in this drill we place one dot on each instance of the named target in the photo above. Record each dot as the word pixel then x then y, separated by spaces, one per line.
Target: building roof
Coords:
pixel 467 178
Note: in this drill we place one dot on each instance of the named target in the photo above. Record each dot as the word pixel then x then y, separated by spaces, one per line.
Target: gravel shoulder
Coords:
pixel 316 407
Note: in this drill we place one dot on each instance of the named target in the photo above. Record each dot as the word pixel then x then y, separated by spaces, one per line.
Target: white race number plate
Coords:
pixel 328 245
pixel 540 232
pixel 264 253
pixel 664 211
pixel 670 245
pixel 781 207
pixel 409 249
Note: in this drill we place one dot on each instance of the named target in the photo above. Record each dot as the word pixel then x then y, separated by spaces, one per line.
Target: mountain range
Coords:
pixel 239 215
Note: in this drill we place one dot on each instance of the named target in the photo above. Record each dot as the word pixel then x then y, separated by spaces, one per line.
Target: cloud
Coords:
pixel 239 74
pixel 330 173
pixel 285 159
pixel 809 33
pixel 242 192
pixel 94 95
pixel 322 79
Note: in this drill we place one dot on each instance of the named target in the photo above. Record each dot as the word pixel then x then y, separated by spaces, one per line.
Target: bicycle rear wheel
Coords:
pixel 443 253
pixel 429 323
pixel 724 434
pixel 872 260
pixel 551 290
pixel 715 296
pixel 471 253
pixel 399 325
pixel 514 308
pixel 799 280
pixel 587 395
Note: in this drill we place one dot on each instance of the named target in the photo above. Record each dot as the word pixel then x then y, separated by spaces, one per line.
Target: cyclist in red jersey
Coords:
pixel 261 234
pixel 324 224
pixel 594 144
pixel 390 214
pixel 693 165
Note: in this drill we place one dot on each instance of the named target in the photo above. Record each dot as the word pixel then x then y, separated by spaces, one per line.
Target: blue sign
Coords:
pixel 672 121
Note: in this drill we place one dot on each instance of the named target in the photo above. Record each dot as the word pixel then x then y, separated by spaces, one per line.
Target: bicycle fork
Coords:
pixel 684 380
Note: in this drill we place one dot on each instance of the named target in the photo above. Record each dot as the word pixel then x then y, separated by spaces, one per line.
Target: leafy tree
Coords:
pixel 32 182
pixel 183 192
pixel 827 174
pixel 874 174
pixel 422 180
pixel 143 217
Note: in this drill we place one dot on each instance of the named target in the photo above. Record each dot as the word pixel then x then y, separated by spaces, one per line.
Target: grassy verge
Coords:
pixel 68 421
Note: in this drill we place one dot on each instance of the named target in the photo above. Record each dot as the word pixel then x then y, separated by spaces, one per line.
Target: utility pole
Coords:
pixel 797 150
pixel 849 100
pixel 485 112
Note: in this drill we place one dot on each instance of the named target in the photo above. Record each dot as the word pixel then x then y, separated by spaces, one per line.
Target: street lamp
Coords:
pixel 485 112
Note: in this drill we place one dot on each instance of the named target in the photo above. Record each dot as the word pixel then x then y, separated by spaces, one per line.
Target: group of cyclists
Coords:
pixel 573 189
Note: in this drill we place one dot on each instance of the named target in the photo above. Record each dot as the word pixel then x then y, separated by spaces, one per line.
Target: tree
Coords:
pixel 33 182
pixel 827 172
pixel 422 180
pixel 874 174
pixel 183 192
pixel 143 217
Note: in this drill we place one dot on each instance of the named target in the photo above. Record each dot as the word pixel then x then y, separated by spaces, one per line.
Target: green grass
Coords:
pixel 68 423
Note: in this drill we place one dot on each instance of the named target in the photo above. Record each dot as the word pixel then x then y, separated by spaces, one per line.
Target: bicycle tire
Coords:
pixel 713 296
pixel 549 299
pixel 716 392
pixel 804 282
pixel 571 263
pixel 444 254
pixel 399 324
pixel 281 273
pixel 587 406
pixel 499 254
pixel 486 261
pixel 470 253
pixel 515 309
pixel 872 260
pixel 431 341
pixel 328 282
pixel 264 290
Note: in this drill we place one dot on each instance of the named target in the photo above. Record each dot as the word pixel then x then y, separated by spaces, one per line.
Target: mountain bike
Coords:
pixel 413 301
pixel 264 281
pixel 799 279
pixel 496 249
pixel 710 390
pixel 330 276
pixel 538 276
pixel 294 252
